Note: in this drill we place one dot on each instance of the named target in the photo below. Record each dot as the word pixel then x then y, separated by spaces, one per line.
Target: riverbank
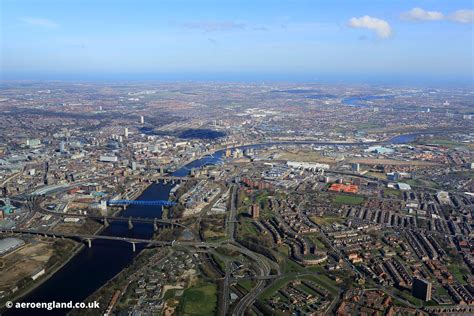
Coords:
pixel 50 272
pixel 45 277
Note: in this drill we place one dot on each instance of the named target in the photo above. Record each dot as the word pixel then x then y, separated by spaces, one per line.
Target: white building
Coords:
pixel 108 159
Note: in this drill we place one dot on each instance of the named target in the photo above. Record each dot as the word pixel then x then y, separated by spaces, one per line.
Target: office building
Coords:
pixel 108 159
pixel 355 167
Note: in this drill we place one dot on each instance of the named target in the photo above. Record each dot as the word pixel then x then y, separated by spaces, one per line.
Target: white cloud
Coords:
pixel 39 22
pixel 418 14
pixel 381 27
pixel 462 16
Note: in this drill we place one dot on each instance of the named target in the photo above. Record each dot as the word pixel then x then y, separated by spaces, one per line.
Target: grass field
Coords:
pixel 200 300
pixel 289 266
pixel 378 161
pixel 219 261
pixel 246 284
pixel 348 199
pixel 447 143
pixel 322 280
pixel 326 220
pixel 213 235
pixel 389 192
pixel 248 228
pixel 458 272
pixel 305 156
pixel 422 183
pixel 283 249
pixel 318 243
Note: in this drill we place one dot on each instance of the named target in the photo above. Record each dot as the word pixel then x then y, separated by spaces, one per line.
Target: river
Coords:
pixel 92 268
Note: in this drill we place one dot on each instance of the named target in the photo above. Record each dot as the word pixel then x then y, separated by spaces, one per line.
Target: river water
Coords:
pixel 92 268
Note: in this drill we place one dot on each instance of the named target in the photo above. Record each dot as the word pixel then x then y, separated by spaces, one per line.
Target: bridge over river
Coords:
pixel 141 202
pixel 88 239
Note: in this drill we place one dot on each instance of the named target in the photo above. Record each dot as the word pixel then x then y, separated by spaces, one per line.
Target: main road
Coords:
pixel 263 270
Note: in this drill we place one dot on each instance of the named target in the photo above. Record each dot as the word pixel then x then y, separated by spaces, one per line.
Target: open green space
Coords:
pixel 321 280
pixel 389 192
pixel 422 183
pixel 246 284
pixel 458 272
pixel 445 142
pixel 213 235
pixel 325 220
pixel 289 266
pixel 248 228
pixel 283 249
pixel 170 294
pixel 407 295
pixel 347 199
pixel 218 261
pixel 200 300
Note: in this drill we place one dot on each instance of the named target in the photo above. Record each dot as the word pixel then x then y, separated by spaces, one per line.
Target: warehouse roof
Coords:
pixel 8 244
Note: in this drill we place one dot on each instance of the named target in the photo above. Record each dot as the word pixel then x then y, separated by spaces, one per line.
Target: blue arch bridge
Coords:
pixel 141 202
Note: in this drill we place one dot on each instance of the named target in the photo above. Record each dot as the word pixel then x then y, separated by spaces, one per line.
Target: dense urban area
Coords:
pixel 238 199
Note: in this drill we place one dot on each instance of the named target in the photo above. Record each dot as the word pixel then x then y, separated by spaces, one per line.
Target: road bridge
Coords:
pixel 88 239
pixel 141 202
pixel 168 179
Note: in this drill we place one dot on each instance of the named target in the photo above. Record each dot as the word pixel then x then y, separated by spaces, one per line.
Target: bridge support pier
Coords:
pixel 89 243
pixel 134 247
pixel 106 222
pixel 155 225
pixel 130 224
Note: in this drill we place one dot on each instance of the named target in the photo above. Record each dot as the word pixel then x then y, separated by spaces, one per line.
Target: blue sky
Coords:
pixel 292 39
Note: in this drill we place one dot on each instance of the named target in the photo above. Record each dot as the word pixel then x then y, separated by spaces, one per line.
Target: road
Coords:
pixel 230 221
pixel 225 290
pixel 263 270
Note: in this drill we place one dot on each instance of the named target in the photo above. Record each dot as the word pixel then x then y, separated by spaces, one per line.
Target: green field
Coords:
pixel 283 249
pixel 289 266
pixel 389 192
pixel 200 300
pixel 247 228
pixel 446 142
pixel 458 272
pixel 219 261
pixel 246 284
pixel 322 280
pixel 348 199
pixel 326 220
pixel 422 183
